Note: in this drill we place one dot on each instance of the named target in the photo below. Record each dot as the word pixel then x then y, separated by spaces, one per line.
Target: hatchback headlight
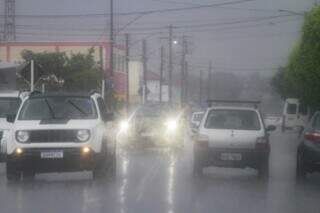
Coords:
pixel 83 135
pixel 22 136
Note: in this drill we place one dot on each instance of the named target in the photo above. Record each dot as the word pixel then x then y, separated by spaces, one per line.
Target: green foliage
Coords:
pixel 77 72
pixel 301 76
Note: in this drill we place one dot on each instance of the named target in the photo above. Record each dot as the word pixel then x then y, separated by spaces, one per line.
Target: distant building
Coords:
pixel 153 84
pixel 11 52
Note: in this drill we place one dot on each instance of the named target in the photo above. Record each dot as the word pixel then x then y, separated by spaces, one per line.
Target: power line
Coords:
pixel 167 10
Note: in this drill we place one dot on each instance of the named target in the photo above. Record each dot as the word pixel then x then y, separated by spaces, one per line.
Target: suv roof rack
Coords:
pixel 255 103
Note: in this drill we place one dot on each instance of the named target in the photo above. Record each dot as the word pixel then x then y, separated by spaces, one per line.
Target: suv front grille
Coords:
pixel 53 136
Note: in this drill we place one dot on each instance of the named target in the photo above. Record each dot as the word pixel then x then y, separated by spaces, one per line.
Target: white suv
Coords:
pixel 61 132
pixel 232 136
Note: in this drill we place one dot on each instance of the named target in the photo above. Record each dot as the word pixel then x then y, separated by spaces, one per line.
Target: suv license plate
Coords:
pixel 231 156
pixel 52 154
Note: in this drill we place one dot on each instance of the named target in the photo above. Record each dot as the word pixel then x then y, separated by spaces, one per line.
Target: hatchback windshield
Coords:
pixel 8 106
pixel 233 119
pixel 58 108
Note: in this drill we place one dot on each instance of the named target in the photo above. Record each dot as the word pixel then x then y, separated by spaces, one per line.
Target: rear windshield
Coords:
pixel 292 109
pixel 233 119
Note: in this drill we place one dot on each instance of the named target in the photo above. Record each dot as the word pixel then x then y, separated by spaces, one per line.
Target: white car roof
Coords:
pixel 233 108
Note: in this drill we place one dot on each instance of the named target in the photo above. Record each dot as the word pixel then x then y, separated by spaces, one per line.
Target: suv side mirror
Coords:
pixel 11 118
pixel 271 128
pixel 108 116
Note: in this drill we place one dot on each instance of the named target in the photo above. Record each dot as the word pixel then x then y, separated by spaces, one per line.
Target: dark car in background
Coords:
pixel 308 155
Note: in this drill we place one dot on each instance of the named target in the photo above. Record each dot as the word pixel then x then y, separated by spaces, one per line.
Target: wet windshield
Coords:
pixel 233 119
pixel 9 106
pixel 58 108
pixel 138 144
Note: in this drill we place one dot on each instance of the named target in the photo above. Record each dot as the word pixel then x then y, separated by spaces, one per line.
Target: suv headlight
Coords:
pixel 83 135
pixel 22 136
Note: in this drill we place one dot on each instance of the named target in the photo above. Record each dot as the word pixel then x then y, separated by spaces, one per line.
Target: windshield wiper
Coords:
pixel 77 107
pixel 50 109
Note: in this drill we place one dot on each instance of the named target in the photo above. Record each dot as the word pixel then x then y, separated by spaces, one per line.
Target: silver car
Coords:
pixel 232 136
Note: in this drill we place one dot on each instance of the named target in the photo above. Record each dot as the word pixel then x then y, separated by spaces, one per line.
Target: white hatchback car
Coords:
pixel 232 136
pixel 61 132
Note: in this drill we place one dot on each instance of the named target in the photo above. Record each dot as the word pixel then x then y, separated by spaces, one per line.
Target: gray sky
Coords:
pixel 236 47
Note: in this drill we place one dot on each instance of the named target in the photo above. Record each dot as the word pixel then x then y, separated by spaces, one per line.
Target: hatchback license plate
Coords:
pixel 52 154
pixel 231 156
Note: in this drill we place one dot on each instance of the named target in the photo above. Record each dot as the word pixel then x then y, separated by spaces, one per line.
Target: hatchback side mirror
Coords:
pixel 11 118
pixel 271 128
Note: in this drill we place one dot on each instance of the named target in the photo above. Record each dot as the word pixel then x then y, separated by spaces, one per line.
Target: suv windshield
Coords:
pixel 58 108
pixel 233 119
pixel 9 106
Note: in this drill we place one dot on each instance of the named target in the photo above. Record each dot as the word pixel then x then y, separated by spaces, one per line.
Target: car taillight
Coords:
pixel 262 143
pixel 312 136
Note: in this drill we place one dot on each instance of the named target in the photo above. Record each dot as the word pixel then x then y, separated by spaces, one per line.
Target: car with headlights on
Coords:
pixel 61 132
pixel 155 125
pixel 232 135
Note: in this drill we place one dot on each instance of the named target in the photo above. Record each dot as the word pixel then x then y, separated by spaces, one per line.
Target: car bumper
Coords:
pixel 73 160
pixel 311 156
pixel 249 157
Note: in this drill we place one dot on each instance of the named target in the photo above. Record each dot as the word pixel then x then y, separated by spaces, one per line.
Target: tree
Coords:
pixel 77 72
pixel 301 76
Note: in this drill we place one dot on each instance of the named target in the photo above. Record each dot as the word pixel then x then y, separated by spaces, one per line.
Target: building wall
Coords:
pixel 135 76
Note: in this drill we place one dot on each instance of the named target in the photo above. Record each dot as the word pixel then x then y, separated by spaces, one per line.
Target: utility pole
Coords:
pixel 183 60
pixel 161 73
pixel 9 21
pixel 186 89
pixel 170 63
pixel 144 60
pixel 209 81
pixel 103 85
pixel 111 38
pixel 32 76
pixel 200 88
pixel 127 71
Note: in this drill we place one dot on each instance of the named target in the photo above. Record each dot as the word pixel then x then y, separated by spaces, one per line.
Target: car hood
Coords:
pixel 41 125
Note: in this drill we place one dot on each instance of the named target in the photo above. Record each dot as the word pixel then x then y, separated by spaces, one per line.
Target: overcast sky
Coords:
pixel 238 47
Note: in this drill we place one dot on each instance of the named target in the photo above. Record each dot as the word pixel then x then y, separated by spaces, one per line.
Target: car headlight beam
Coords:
pixel 124 126
pixel 171 125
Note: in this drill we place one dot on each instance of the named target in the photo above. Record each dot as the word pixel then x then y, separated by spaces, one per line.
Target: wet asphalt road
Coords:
pixel 161 181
